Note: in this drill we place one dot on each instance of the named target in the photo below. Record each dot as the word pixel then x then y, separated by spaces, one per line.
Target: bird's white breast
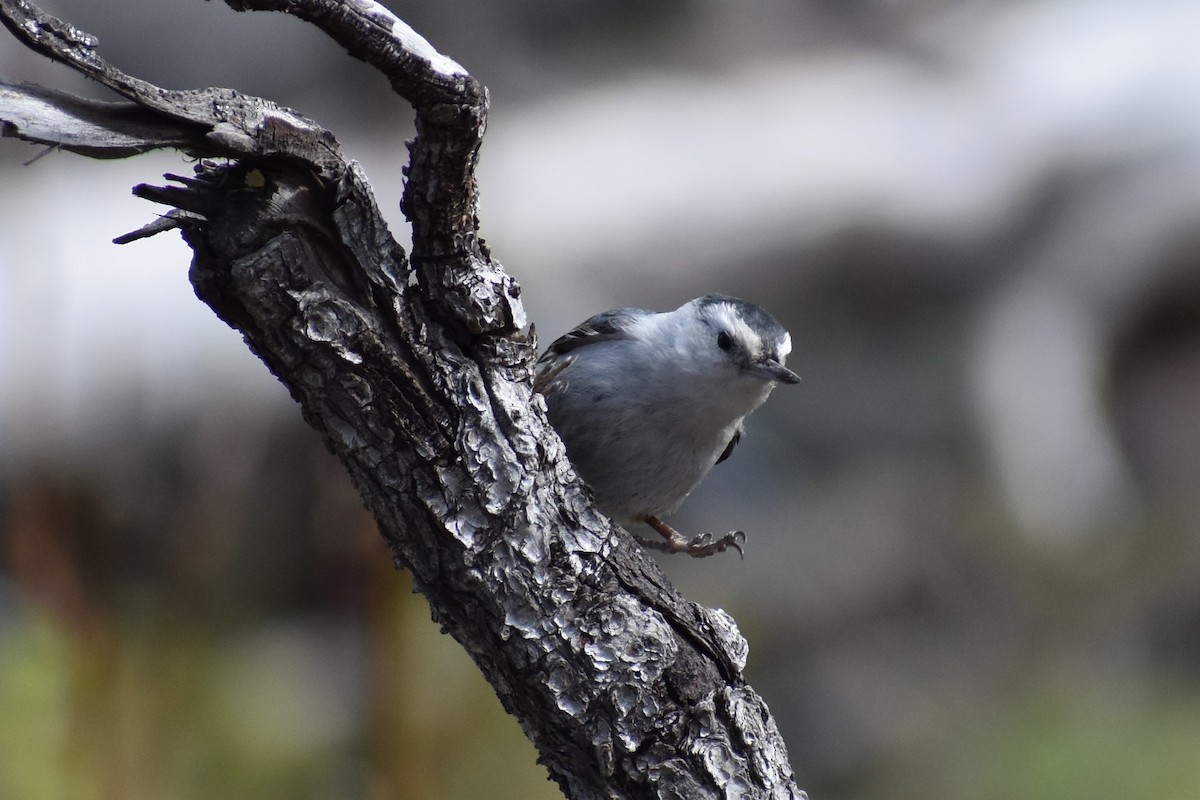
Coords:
pixel 645 441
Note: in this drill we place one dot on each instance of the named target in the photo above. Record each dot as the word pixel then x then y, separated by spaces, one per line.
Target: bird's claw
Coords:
pixel 706 545
pixel 702 546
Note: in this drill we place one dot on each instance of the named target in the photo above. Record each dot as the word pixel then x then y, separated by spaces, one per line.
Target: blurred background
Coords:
pixel 974 528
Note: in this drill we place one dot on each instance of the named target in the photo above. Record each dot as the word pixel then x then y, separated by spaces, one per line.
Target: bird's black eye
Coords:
pixel 724 341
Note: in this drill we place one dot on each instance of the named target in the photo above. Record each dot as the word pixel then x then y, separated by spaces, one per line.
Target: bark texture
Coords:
pixel 417 373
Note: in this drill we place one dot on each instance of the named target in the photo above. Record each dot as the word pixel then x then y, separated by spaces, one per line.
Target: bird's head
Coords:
pixel 738 338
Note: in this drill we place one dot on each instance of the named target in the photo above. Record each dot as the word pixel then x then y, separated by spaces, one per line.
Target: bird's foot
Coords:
pixel 702 546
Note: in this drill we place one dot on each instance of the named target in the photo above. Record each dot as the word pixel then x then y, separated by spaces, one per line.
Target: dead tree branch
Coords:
pixel 417 375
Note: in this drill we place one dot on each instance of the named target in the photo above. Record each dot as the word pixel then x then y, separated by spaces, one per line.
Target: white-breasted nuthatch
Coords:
pixel 648 402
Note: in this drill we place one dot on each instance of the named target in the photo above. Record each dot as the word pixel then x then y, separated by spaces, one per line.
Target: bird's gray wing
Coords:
pixel 728 451
pixel 603 327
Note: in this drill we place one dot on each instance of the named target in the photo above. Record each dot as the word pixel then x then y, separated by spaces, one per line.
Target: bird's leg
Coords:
pixel 703 545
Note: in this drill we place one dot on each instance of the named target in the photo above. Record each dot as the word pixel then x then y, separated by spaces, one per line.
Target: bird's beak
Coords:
pixel 772 370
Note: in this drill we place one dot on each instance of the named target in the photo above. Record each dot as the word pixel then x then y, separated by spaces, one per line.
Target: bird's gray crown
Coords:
pixel 769 329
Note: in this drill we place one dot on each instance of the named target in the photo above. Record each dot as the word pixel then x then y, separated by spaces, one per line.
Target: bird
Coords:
pixel 647 402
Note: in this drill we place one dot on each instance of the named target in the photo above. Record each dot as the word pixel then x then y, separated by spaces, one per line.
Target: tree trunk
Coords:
pixel 417 373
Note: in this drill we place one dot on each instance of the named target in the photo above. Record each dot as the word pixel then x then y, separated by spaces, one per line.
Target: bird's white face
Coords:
pixel 739 340
pixel 751 346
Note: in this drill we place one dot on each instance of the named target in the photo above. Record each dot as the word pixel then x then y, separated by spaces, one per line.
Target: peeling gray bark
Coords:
pixel 417 373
